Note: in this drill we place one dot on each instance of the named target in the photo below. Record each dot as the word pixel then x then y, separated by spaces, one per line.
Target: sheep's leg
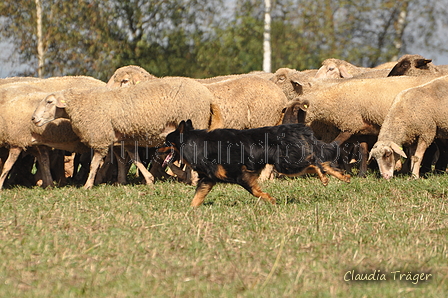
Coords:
pixel 149 178
pixel 94 165
pixel 342 137
pixel 364 154
pixel 442 161
pixel 14 153
pixel 101 175
pixel 122 165
pixel 43 158
pixel 416 159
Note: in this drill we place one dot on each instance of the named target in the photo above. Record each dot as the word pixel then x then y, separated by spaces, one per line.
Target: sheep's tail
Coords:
pixel 216 120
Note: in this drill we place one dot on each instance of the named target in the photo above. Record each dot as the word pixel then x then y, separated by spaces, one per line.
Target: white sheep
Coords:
pixel 336 69
pixel 128 75
pixel 416 117
pixel 244 101
pixel 18 133
pixel 18 102
pixel 135 115
pixel 338 111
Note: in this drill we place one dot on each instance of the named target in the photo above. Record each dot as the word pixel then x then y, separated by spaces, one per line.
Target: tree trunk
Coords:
pixel 40 46
pixel 267 37
pixel 400 25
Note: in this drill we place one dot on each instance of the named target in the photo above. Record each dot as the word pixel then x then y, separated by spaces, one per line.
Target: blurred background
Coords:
pixel 205 38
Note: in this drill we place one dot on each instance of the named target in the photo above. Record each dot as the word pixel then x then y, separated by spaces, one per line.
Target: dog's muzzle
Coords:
pixel 167 149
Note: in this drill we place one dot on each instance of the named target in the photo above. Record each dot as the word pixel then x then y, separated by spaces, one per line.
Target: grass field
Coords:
pixel 145 241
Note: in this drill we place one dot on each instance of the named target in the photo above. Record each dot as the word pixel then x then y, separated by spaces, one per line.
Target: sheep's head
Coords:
pixel 295 112
pixel 49 109
pixel 387 155
pixel 413 65
pixel 128 76
pixel 286 79
pixel 333 69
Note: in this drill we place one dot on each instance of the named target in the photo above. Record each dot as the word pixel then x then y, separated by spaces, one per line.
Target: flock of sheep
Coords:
pixel 393 110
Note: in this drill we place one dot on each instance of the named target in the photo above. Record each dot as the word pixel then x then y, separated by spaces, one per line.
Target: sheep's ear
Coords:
pixel 400 68
pixel 298 88
pixel 304 105
pixel 397 149
pixel 370 157
pixel 344 72
pixel 59 100
pixel 422 63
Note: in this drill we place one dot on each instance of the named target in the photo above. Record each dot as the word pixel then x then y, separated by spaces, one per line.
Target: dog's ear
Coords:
pixel 189 125
pixel 181 127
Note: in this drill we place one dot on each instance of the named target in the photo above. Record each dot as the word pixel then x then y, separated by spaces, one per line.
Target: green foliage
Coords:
pixel 138 240
pixel 203 38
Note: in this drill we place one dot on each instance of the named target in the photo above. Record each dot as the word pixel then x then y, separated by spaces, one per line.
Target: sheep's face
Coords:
pixel 128 76
pixel 46 110
pixel 328 71
pixel 286 79
pixel 387 155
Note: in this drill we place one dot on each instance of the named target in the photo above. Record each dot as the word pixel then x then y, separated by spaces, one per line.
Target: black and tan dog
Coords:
pixel 239 156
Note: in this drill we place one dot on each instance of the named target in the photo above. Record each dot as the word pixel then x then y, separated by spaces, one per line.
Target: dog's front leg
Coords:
pixel 203 188
pixel 328 169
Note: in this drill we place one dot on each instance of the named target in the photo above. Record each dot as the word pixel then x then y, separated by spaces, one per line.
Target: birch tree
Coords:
pixel 40 45
pixel 267 37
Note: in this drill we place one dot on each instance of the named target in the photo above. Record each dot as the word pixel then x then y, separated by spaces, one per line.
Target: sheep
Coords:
pixel 335 68
pixel 416 117
pixel 17 79
pixel 336 112
pixel 128 75
pixel 131 75
pixel 414 65
pixel 244 101
pixel 18 133
pixel 285 78
pixel 292 82
pixel 248 102
pixel 50 85
pixel 18 101
pixel 135 115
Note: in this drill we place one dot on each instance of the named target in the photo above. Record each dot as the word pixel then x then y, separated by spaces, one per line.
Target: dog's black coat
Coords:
pixel 239 156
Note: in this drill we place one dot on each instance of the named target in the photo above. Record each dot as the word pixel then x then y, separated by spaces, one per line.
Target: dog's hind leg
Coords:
pixel 312 169
pixel 249 182
pixel 203 188
pixel 333 172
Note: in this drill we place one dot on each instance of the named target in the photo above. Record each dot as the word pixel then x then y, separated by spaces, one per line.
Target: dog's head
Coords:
pixel 173 142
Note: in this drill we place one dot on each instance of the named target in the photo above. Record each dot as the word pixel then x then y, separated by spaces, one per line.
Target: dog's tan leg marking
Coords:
pixel 220 172
pixel 202 190
pixel 312 169
pixel 250 178
pixel 327 167
pixel 315 170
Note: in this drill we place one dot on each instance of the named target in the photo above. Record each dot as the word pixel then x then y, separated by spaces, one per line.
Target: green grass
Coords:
pixel 146 241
